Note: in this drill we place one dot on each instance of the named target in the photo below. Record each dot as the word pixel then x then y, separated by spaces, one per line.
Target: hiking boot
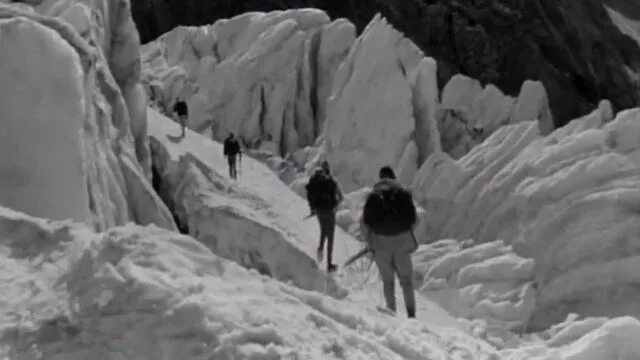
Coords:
pixel 320 255
pixel 332 268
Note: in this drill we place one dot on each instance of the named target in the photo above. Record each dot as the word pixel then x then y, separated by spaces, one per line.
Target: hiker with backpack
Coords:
pixel 231 150
pixel 387 222
pixel 182 110
pixel 324 196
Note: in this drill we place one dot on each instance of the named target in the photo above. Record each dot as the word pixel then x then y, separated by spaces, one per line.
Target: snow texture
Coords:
pixel 486 281
pixel 568 200
pixel 86 168
pixel 147 293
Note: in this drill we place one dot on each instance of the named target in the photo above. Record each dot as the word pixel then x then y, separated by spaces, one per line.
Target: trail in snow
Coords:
pixel 287 212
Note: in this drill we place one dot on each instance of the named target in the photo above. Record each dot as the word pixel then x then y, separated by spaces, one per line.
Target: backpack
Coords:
pixel 389 209
pixel 322 192
pixel 181 108
pixel 231 147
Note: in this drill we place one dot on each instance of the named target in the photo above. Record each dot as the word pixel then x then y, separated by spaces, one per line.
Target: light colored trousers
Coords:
pixel 392 255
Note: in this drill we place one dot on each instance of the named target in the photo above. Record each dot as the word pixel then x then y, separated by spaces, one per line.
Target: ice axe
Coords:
pixel 357 256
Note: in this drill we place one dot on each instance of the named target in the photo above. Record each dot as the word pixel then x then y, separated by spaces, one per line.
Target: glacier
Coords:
pixel 120 241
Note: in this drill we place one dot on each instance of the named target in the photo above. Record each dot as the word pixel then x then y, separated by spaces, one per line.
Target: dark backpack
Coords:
pixel 322 192
pixel 389 209
pixel 181 108
pixel 231 147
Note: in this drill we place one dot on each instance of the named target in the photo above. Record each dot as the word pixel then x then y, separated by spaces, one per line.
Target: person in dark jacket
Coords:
pixel 387 222
pixel 231 150
pixel 324 196
pixel 182 110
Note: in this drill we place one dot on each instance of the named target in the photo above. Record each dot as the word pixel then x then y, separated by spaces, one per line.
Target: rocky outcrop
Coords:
pixel 574 49
pixel 487 281
pixel 256 221
pixel 567 200
pixel 264 76
pixel 79 87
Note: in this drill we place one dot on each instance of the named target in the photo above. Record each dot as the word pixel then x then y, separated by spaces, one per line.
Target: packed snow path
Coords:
pixel 272 203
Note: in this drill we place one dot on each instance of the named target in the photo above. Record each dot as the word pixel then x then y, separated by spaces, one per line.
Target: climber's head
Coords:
pixel 386 172
pixel 325 166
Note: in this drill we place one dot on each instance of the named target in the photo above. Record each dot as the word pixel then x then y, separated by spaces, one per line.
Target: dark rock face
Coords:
pixel 571 46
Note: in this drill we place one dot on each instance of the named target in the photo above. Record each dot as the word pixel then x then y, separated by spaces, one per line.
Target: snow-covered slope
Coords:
pixel 258 221
pixel 569 200
pixel 146 293
pixel 73 134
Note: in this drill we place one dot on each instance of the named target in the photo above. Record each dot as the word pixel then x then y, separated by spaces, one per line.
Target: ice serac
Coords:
pixel 533 104
pixel 41 161
pixel 88 104
pixel 469 114
pixel 568 200
pixel 370 115
pixel 488 281
pixel 425 107
pixel 147 293
pixel 257 221
pixel 264 76
pixel 110 25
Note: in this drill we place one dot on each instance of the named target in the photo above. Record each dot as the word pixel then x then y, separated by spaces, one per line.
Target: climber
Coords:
pixel 182 110
pixel 324 196
pixel 387 222
pixel 231 150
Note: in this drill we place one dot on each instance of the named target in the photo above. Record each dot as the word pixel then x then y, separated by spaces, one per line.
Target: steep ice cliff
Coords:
pixel 75 126
pixel 264 76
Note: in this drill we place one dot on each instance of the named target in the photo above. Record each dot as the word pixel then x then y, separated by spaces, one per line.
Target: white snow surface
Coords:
pixel 486 281
pixel 258 221
pixel 147 293
pixel 73 150
pixel 567 200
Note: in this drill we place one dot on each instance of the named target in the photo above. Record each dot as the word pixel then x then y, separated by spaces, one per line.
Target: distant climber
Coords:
pixel 387 222
pixel 324 196
pixel 182 110
pixel 231 150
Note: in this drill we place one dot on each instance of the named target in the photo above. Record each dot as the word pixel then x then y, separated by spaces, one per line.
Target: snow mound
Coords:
pixel 147 293
pixel 264 76
pixel 567 200
pixel 487 281
pixel 87 167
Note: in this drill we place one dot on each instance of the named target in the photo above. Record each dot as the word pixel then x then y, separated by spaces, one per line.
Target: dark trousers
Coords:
pixel 233 173
pixel 327 221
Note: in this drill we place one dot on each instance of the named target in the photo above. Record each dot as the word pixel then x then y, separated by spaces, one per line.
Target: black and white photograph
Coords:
pixel 320 180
